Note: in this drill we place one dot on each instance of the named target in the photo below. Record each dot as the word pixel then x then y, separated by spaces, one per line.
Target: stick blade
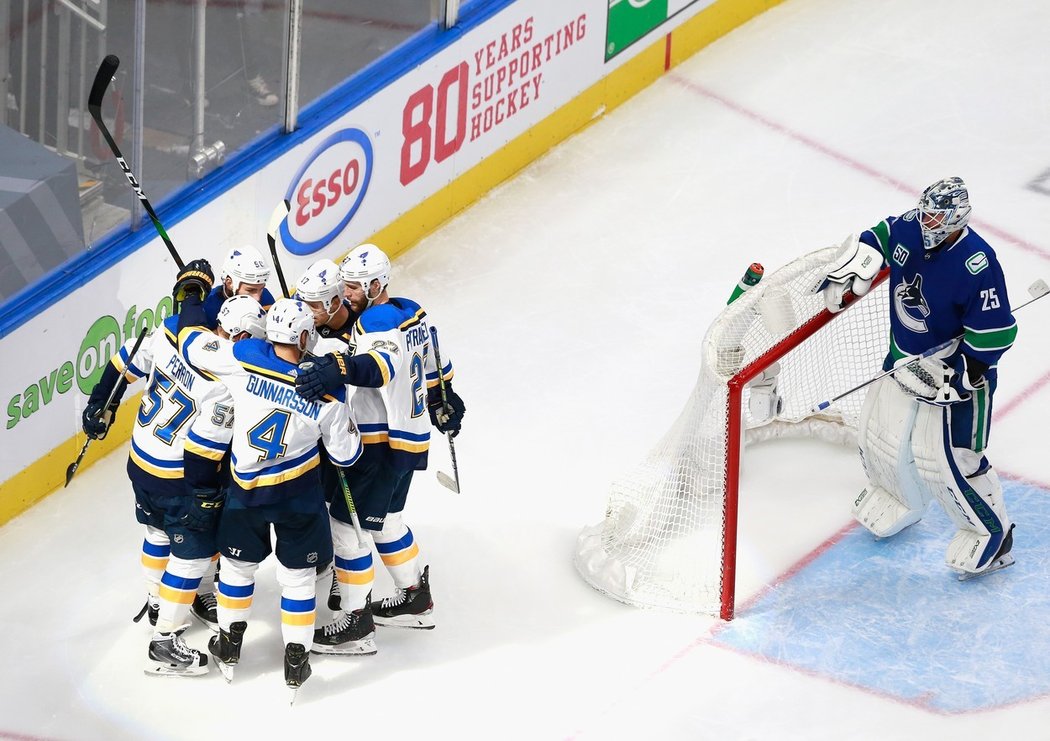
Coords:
pixel 445 480
pixel 70 470
pixel 1038 289
pixel 105 73
pixel 276 219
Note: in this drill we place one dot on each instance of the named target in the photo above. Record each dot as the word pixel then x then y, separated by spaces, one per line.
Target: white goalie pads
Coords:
pixel 908 460
pixel 854 269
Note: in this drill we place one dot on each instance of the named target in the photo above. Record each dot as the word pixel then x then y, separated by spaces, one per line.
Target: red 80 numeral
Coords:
pixel 420 136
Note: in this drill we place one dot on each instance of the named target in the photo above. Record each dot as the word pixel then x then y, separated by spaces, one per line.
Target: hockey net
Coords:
pixel 668 538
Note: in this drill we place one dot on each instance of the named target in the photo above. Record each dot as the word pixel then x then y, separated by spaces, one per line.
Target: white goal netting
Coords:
pixel 664 540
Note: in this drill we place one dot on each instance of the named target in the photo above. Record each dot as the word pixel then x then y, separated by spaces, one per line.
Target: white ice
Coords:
pixel 572 301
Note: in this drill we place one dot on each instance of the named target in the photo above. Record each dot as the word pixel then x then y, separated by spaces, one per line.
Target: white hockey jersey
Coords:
pixel 390 403
pixel 275 431
pixel 178 397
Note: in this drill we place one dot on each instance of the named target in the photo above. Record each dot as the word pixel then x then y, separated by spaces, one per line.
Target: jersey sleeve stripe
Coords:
pixel 990 339
pixel 386 368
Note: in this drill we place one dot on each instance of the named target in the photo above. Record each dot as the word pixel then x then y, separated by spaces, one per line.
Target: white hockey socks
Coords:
pixel 354 569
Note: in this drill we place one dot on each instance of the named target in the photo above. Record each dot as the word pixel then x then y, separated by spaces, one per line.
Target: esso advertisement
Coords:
pixel 327 191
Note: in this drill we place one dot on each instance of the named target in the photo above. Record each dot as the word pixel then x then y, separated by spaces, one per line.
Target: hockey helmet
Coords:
pixel 944 208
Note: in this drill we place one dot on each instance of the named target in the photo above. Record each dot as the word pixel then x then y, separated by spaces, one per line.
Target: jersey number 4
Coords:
pixel 268 435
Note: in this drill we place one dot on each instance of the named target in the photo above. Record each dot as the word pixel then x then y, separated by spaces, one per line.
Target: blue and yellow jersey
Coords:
pixel 176 396
pixel 275 431
pixel 392 366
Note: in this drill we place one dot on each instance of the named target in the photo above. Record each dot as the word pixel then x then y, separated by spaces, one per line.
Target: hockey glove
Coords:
pixel 203 511
pixel 96 422
pixel 448 416
pixel 933 381
pixel 321 376
pixel 193 280
pixel 854 269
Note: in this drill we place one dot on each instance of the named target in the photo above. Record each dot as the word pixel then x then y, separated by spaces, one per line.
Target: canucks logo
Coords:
pixel 910 305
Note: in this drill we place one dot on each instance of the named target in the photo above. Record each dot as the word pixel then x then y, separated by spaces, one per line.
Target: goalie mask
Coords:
pixel 321 283
pixel 244 265
pixel 286 321
pixel 364 264
pixel 242 314
pixel 944 208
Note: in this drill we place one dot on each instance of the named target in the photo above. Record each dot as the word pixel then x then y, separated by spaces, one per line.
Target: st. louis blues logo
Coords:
pixel 910 305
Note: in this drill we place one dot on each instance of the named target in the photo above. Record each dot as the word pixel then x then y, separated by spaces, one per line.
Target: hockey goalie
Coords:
pixel 924 428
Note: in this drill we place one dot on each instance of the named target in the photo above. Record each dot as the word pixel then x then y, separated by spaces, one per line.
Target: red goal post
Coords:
pixel 669 536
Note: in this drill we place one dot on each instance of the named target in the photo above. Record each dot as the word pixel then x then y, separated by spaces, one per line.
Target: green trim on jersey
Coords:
pixel 980 418
pixel 987 340
pixel 895 352
pixel 882 233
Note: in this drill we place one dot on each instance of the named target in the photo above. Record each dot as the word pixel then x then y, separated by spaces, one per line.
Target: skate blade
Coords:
pixel 998 565
pixel 418 622
pixel 363 647
pixel 226 670
pixel 295 693
pixel 166 670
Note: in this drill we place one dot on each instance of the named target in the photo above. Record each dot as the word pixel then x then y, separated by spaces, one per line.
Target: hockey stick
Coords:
pixel 350 506
pixel 1037 290
pixel 105 73
pixel 107 414
pixel 276 219
pixel 443 477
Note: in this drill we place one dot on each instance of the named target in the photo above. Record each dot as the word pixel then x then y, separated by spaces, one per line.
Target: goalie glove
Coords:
pixel 933 381
pixel 447 416
pixel 854 269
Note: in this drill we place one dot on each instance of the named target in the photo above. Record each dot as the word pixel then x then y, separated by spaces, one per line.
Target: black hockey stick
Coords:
pixel 107 414
pixel 1037 290
pixel 443 477
pixel 276 219
pixel 105 73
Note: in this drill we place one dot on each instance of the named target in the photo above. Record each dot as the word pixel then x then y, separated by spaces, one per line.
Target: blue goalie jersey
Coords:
pixel 938 295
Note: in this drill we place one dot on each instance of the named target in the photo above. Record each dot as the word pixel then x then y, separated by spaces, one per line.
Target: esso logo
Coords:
pixel 327 191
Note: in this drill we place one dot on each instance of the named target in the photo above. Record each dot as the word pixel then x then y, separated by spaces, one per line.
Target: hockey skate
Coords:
pixel 407 608
pixel 169 656
pixel 1001 561
pixel 296 667
pixel 350 634
pixel 204 609
pixel 151 609
pixel 226 648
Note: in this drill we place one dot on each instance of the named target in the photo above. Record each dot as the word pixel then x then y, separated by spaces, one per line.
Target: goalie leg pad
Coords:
pixel 967 488
pixel 896 496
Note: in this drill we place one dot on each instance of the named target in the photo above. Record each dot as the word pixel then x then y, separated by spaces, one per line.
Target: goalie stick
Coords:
pixel 276 219
pixel 105 73
pixel 1037 290
pixel 443 477
pixel 107 415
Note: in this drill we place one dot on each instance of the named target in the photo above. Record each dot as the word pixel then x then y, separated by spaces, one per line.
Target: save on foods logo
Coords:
pixel 630 20
pixel 101 342
pixel 327 191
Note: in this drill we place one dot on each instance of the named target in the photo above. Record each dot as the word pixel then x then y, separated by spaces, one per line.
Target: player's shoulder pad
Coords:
pixel 975 255
pixel 381 318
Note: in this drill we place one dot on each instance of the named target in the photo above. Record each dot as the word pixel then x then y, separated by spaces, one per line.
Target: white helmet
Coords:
pixel 244 265
pixel 364 264
pixel 945 205
pixel 242 314
pixel 286 321
pixel 320 282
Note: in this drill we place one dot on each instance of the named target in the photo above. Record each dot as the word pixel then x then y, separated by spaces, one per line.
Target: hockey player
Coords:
pixel 275 479
pixel 924 428
pixel 391 364
pixel 179 547
pixel 244 273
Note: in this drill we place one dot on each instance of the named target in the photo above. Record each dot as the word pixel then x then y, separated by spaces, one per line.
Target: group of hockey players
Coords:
pixel 924 427
pixel 304 415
